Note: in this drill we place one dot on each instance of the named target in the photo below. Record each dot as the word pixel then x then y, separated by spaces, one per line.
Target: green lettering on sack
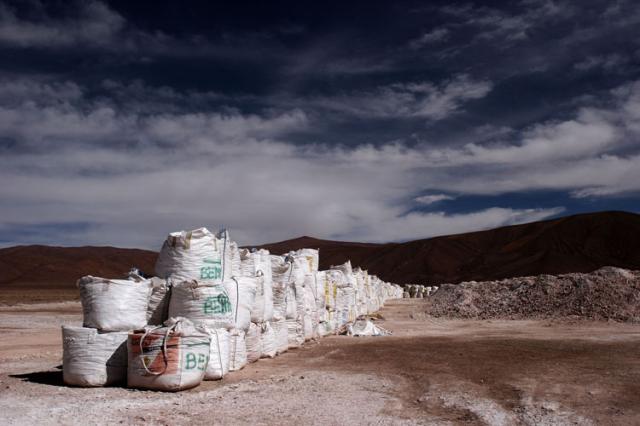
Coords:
pixel 210 272
pixel 219 304
pixel 202 362
pixel 190 361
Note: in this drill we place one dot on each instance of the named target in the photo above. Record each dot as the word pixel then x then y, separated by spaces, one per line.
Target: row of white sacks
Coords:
pixel 418 291
pixel 211 309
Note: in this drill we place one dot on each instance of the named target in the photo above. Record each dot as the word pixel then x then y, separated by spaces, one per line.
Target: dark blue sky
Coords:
pixel 373 121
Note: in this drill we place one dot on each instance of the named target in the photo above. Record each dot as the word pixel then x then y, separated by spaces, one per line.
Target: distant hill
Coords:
pixel 579 243
pixel 60 267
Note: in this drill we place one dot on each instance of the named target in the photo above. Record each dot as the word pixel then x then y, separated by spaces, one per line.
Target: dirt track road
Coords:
pixel 429 372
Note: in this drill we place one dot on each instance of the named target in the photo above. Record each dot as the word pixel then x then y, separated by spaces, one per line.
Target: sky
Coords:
pixel 371 121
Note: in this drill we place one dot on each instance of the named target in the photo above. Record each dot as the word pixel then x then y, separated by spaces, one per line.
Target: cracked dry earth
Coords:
pixel 431 371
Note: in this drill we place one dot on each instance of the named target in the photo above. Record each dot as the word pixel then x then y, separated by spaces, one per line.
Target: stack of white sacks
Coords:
pixel 212 309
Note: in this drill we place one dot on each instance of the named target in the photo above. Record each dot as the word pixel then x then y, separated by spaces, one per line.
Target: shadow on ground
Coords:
pixel 53 378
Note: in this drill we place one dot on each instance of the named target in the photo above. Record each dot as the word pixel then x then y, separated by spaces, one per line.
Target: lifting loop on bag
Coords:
pixel 164 349
pixel 235 317
pixel 219 354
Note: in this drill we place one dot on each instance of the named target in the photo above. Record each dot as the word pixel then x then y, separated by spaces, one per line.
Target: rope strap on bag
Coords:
pixel 164 348
pixel 235 320
pixel 219 353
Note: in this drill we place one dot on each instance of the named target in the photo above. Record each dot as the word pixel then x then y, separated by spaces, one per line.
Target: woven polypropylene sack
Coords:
pixel 158 308
pixel 268 343
pixel 93 358
pixel 218 365
pixel 295 334
pixel 266 269
pixel 202 303
pixel 291 304
pixel 335 279
pixel 252 339
pixel 321 289
pixel 195 255
pixel 258 264
pixel 114 305
pixel 279 304
pixel 326 328
pixel 257 309
pixel 168 358
pixel 282 335
pixel 307 326
pixel 237 350
pixel 311 256
pixel 242 293
pixel 236 263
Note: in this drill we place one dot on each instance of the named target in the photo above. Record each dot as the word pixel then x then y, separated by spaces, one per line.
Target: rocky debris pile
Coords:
pixel 608 293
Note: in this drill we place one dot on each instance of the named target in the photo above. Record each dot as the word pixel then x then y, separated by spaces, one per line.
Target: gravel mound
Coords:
pixel 606 294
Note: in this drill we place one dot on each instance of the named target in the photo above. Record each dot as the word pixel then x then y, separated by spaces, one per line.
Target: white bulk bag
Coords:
pixel 258 264
pixel 291 304
pixel 248 263
pixel 218 365
pixel 326 328
pixel 257 310
pixel 202 303
pixel 310 294
pixel 281 268
pixel 114 305
pixel 158 308
pixel 312 258
pixel 236 263
pixel 321 289
pixel 279 304
pixel 345 268
pixel 195 255
pixel 237 350
pixel 307 326
pixel 366 328
pixel 242 293
pixel 295 333
pixel 335 279
pixel 252 339
pixel 170 358
pixel 282 335
pixel 310 310
pixel 268 344
pixel 92 358
pixel 301 266
pixel 225 241
pixel 265 268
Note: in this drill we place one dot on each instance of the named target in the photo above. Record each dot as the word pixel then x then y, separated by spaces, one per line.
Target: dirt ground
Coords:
pixel 431 371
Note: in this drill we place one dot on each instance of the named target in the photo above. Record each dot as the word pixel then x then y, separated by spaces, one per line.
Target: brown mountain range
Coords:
pixel 579 243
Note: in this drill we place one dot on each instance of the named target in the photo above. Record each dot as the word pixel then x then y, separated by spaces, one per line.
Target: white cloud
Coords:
pixel 433 198
pixel 439 223
pixel 135 176
pixel 94 23
pixel 610 63
pixel 423 99
pixel 434 36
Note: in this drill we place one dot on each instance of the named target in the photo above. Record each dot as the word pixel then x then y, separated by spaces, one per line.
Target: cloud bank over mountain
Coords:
pixel 119 123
